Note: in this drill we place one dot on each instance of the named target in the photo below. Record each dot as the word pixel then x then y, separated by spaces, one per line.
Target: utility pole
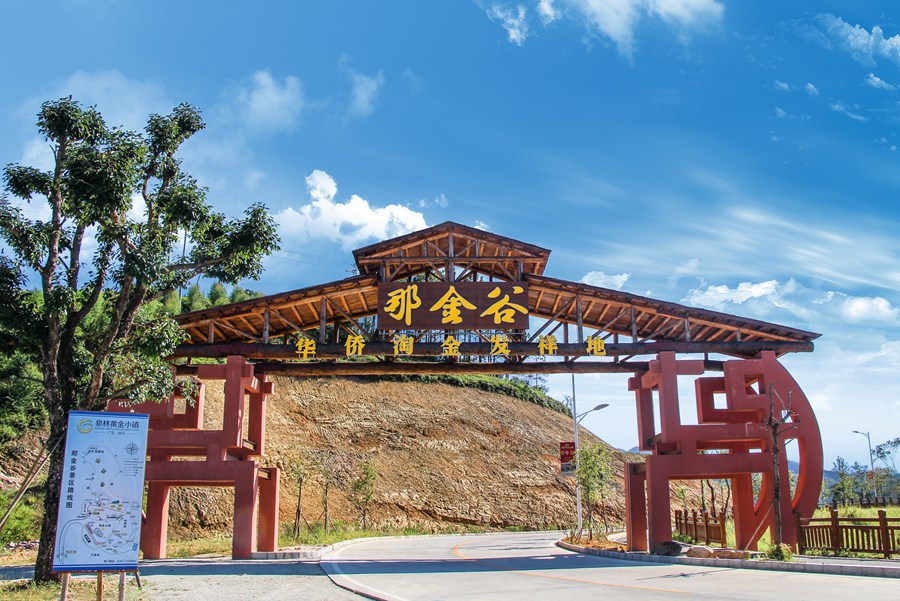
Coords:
pixel 576 419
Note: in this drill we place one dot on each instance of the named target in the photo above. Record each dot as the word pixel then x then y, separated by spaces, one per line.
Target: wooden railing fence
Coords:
pixel 879 535
pixel 862 502
pixel 701 527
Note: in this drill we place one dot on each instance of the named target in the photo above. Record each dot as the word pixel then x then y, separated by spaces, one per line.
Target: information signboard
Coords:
pixel 567 458
pixel 99 524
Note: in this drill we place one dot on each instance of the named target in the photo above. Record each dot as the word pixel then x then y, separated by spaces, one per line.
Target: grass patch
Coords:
pixel 213 544
pixel 315 535
pixel 80 589
pixel 858 512
pixel 25 521
pixel 515 388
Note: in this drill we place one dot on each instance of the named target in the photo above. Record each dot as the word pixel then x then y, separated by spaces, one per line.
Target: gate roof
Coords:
pixel 470 252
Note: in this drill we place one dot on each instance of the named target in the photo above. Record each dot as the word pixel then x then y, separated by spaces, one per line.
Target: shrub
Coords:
pixel 780 552
pixel 25 522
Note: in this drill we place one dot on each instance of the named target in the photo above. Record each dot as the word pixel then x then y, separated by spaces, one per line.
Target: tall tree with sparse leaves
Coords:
pixel 362 490
pixel 117 203
pixel 595 473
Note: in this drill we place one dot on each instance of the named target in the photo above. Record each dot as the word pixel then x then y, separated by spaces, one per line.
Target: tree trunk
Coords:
pixel 727 500
pixel 325 502
pixel 712 499
pixel 299 515
pixel 44 564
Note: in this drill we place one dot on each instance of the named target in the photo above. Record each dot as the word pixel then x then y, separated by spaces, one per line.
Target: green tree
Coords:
pixel 194 300
pixel 218 295
pixel 21 396
pixel 301 469
pixel 172 303
pixel 885 453
pixel 91 327
pixel 596 475
pixel 239 294
pixel 842 489
pixel 362 489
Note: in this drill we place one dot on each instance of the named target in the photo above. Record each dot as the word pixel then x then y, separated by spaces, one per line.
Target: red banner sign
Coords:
pixel 452 306
pixel 567 458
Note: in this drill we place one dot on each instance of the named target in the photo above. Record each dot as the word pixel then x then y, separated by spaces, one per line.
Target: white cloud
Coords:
pixel 365 92
pixel 878 83
pixel 416 84
pixel 123 101
pixel 838 107
pixel 781 113
pixel 481 225
pixel 252 179
pixel 601 279
pixel 38 154
pixel 863 45
pixel 811 89
pixel 822 308
pixel 547 11
pixel 268 105
pixel 688 269
pixel 721 295
pixel 512 20
pixel 613 19
pixel 864 309
pixel 686 13
pixel 440 201
pixel 709 179
pixel 780 85
pixel 138 208
pixel 349 223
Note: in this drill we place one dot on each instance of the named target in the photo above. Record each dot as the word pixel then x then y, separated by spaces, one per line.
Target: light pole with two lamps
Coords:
pixel 576 419
pixel 871 461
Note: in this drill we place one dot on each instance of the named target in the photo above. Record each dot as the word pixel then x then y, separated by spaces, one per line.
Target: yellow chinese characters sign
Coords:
pixel 452 306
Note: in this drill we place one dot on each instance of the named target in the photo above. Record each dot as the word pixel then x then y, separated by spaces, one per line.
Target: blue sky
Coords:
pixel 741 156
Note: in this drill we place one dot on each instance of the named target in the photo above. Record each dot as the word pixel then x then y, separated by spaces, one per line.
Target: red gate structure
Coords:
pixel 438 298
pixel 730 442
pixel 184 453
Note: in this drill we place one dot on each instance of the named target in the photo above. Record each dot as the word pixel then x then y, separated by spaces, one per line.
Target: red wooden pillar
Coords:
pixel 245 509
pixel 268 511
pixel 789 533
pixel 635 507
pixel 659 528
pixel 742 501
pixel 155 529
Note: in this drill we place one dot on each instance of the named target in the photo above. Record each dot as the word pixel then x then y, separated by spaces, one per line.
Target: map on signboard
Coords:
pixel 102 488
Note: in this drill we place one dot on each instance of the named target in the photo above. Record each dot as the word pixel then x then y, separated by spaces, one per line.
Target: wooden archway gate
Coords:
pixel 423 303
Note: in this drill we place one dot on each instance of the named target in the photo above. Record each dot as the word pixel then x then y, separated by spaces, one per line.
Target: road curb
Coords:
pixel 316 553
pixel 745 564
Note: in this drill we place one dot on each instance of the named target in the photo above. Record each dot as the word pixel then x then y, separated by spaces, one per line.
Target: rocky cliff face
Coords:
pixel 444 455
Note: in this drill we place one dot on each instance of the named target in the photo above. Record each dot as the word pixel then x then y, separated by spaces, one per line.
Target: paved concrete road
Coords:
pixel 236 580
pixel 528 566
pixel 223 580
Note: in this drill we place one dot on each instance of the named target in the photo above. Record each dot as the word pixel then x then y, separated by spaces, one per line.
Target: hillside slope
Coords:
pixel 444 455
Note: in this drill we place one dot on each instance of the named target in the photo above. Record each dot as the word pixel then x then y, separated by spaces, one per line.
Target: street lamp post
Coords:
pixel 576 419
pixel 871 460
